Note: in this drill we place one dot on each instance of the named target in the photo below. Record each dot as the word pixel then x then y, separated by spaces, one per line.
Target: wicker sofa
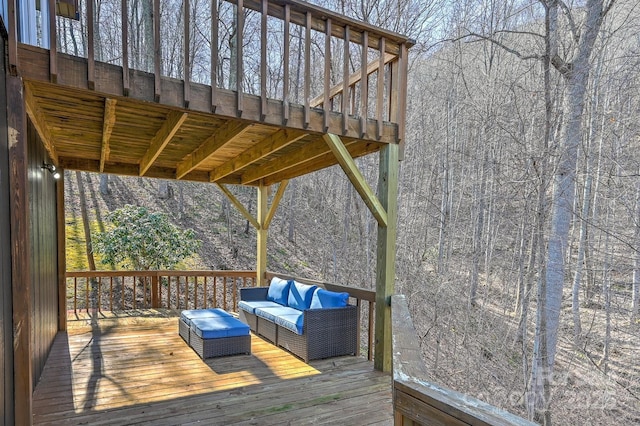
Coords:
pixel 308 321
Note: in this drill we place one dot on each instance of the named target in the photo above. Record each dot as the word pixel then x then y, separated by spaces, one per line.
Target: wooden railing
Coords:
pixel 125 290
pixel 284 50
pixel 416 400
pixel 90 291
pixel 364 300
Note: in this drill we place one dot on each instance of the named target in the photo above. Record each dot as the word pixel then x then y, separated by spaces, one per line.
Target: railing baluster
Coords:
pixel 187 65
pixel 125 47
pixel 53 43
pixel 370 342
pixel 327 76
pixel 380 94
pixel 99 282
pixel 215 293
pixel 75 295
pixel 214 54
pixel 205 291
pixel 285 77
pixel 86 293
pixel 124 304
pixel 364 85
pixel 111 293
pixel 239 58
pixel 91 64
pixel 186 292
pixel 156 50
pixel 263 61
pixel 345 81
pixel 178 292
pixel 224 293
pixel 307 70
pixel 134 293
pixel 195 292
pixel 234 289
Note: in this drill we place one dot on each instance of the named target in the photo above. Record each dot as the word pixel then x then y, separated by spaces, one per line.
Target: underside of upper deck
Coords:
pixel 259 115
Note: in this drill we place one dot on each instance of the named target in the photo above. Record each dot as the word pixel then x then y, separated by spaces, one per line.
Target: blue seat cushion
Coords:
pixel 271 313
pixel 278 291
pixel 328 299
pixel 190 314
pixel 251 305
pixel 300 295
pixel 219 327
pixel 294 323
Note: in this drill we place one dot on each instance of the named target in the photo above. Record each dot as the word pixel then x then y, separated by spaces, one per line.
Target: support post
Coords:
pixel 20 256
pixel 263 230
pixel 155 300
pixel 62 263
pixel 385 266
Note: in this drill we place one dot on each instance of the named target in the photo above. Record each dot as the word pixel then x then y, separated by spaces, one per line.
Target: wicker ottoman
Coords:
pixel 184 323
pixel 219 336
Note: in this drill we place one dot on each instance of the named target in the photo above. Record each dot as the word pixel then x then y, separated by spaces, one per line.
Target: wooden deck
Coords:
pixel 133 370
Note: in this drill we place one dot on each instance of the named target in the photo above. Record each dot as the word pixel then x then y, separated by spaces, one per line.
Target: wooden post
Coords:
pixel 62 261
pixel 385 267
pixel 263 230
pixel 20 256
pixel 155 300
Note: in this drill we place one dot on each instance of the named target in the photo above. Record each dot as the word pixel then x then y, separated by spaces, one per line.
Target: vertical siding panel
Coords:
pixel 42 204
pixel 6 312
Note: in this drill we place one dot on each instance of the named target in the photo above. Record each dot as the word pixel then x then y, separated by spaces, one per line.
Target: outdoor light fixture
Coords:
pixel 52 170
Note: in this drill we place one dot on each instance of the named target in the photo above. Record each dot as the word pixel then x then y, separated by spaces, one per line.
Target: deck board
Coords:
pixel 139 371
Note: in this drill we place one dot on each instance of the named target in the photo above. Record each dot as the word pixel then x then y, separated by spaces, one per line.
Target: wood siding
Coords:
pixel 6 320
pixel 44 255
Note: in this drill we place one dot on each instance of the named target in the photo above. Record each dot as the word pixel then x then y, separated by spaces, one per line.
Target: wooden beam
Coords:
pixel 309 151
pixel 269 145
pixel 38 119
pixel 357 179
pixel 355 148
pixel 223 135
pixel 124 169
pixel 161 139
pixel 354 78
pixel 275 203
pixel 385 261
pixel 262 236
pixel 62 260
pixel 107 126
pixel 238 205
pixel 20 251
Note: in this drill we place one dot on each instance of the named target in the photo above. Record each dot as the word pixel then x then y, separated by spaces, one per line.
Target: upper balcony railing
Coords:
pixel 284 50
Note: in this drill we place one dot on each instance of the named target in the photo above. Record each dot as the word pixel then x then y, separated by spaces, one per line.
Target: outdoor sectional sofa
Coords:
pixel 308 321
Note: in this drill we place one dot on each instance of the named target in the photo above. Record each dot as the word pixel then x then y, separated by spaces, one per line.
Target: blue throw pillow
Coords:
pixel 300 295
pixel 328 299
pixel 278 291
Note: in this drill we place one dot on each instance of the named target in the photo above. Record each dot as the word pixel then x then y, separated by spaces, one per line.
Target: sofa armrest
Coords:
pixel 332 331
pixel 254 293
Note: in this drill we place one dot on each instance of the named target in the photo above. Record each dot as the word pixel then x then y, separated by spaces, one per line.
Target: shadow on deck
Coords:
pixel 137 370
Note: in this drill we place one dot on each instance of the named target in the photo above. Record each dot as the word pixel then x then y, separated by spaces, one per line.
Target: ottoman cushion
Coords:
pixel 219 327
pixel 189 314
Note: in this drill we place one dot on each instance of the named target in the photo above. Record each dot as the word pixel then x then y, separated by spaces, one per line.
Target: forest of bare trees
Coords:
pixel 519 202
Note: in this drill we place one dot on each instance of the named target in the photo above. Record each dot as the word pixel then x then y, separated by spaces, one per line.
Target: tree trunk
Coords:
pixel 104 184
pixel 85 222
pixel 576 75
pixel 635 299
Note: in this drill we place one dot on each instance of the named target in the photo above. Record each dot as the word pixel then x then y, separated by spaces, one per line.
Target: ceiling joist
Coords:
pixel 357 179
pixel 269 145
pixel 107 128
pixel 223 135
pixel 38 119
pixel 161 139
pixel 311 150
